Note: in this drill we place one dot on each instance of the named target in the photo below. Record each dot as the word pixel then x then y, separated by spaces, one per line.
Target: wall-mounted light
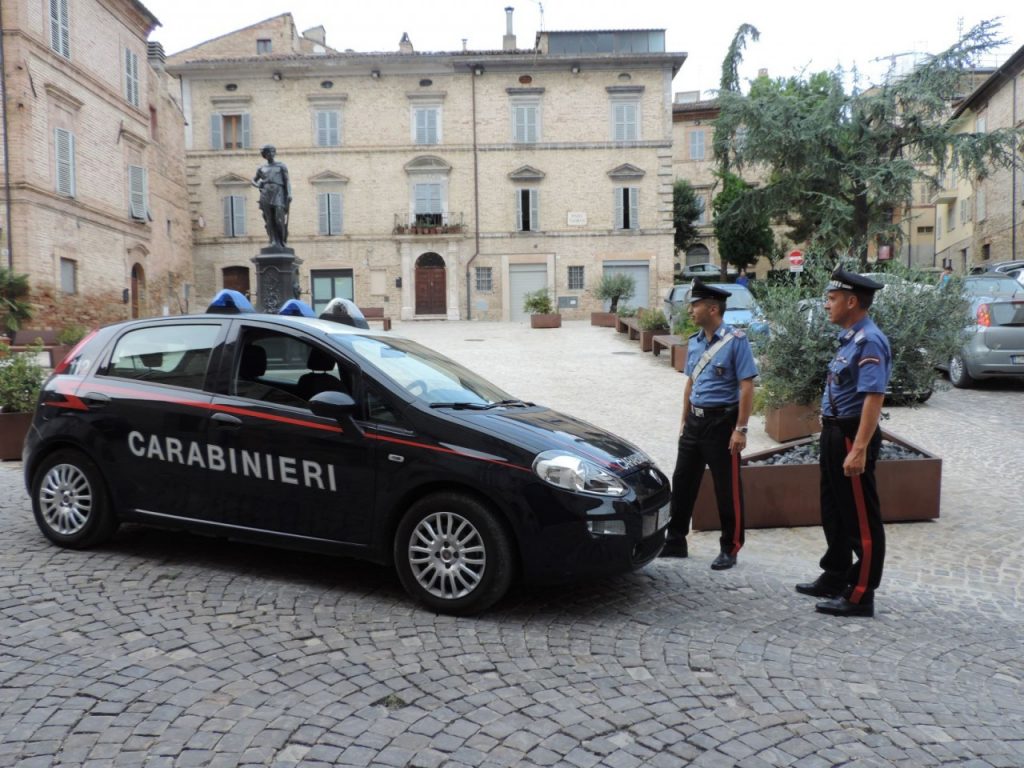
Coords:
pixel 231 87
pixel 276 75
pixel 575 69
pixel 375 74
pixel 478 70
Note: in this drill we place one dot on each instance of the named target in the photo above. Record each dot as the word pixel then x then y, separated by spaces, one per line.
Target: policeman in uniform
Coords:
pixel 717 401
pixel 850 439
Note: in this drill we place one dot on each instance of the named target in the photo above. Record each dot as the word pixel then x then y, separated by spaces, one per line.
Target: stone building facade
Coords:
pixel 436 185
pixel 94 187
pixel 693 130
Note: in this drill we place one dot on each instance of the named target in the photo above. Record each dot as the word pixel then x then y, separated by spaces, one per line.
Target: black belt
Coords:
pixel 839 419
pixel 711 410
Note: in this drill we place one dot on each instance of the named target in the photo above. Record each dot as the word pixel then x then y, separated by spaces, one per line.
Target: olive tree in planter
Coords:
pixel 21 378
pixel 542 312
pixel 613 288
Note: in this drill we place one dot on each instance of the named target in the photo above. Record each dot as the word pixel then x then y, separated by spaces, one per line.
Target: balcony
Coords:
pixel 428 224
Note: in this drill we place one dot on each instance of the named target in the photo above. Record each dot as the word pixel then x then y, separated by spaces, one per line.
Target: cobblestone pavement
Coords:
pixel 176 650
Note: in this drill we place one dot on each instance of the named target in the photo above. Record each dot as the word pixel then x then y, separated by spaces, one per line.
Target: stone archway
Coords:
pixel 138 291
pixel 431 285
pixel 697 254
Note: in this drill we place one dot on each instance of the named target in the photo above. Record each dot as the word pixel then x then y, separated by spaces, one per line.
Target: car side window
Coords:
pixel 279 368
pixel 173 355
pixel 378 407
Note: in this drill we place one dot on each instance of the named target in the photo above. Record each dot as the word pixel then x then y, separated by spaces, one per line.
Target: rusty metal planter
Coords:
pixel 784 495
pixel 546 320
pixel 13 428
pixel 791 422
pixel 603 319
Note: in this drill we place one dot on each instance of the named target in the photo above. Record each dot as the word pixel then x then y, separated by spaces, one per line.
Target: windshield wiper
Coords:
pixel 462 406
pixel 504 403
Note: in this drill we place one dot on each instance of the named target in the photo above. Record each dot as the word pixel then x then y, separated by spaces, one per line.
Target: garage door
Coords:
pixel 524 279
pixel 640 271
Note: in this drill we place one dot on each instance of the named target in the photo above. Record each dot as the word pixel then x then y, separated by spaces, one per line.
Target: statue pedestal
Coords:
pixel 277 277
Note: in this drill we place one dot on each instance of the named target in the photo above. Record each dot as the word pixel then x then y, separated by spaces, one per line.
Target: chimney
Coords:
pixel 155 55
pixel 762 72
pixel 508 43
pixel 316 34
pixel 405 44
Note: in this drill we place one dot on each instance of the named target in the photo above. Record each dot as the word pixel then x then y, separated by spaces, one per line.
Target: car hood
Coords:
pixel 536 429
pixel 738 317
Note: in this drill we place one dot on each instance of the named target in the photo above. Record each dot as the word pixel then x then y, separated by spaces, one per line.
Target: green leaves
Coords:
pixel 20 379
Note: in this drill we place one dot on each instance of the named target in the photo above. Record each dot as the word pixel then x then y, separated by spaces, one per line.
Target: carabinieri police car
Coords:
pixel 305 432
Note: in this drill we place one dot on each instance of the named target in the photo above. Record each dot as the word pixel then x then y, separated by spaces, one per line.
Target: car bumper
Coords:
pixel 985 363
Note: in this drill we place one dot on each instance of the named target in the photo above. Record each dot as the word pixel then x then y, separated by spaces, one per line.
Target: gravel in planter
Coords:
pixel 808 454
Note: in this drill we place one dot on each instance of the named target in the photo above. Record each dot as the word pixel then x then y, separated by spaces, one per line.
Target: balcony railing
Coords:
pixel 428 224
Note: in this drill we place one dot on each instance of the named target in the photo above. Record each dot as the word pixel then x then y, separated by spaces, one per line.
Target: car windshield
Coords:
pixel 991 286
pixel 741 298
pixel 426 375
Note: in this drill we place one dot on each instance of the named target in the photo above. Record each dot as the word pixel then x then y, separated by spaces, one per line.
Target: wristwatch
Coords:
pixel 742 430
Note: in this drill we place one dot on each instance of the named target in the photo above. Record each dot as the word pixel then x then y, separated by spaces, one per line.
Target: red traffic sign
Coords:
pixel 796 258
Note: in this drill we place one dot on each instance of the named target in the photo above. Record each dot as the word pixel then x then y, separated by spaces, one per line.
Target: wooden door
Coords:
pixel 430 285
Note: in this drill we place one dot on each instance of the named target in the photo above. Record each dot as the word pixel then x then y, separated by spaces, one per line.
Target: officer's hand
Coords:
pixel 737 442
pixel 855 462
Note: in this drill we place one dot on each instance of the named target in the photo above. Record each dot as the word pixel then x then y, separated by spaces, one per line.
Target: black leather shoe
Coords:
pixel 840 606
pixel 823 586
pixel 675 548
pixel 723 561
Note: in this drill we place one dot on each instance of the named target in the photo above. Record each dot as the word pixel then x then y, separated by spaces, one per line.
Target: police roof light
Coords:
pixel 229 302
pixel 344 311
pixel 296 308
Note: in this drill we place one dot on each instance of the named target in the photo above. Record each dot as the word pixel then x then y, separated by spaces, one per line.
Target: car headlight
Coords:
pixel 564 470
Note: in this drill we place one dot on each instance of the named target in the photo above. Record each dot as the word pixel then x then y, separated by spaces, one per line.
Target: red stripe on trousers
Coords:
pixel 865 535
pixel 736 504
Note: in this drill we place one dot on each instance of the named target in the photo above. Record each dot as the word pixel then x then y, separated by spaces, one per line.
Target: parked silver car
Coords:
pixel 995 343
pixel 705 271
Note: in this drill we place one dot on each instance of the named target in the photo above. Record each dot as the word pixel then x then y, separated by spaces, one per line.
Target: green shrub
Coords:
pixel 626 311
pixel 615 287
pixel 70 335
pixel 652 320
pixel 684 325
pixel 21 378
pixel 13 311
pixel 538 303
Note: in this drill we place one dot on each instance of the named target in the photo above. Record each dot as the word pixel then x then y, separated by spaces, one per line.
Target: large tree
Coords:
pixel 687 208
pixel 742 237
pixel 838 164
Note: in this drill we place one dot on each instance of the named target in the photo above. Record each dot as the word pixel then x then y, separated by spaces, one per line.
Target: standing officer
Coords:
pixel 850 440
pixel 717 401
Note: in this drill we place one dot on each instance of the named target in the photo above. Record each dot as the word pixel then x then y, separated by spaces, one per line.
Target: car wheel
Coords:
pixel 958 375
pixel 453 554
pixel 69 500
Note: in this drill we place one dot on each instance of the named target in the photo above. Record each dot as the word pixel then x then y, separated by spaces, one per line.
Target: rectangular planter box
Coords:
pixel 679 357
pixel 13 428
pixel 791 422
pixel 620 324
pixel 647 339
pixel 782 496
pixel 603 319
pixel 553 320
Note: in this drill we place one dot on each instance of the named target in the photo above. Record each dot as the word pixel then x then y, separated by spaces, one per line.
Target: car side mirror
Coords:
pixel 332 404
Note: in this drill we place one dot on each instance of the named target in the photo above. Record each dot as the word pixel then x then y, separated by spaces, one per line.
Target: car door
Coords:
pixel 148 411
pixel 281 467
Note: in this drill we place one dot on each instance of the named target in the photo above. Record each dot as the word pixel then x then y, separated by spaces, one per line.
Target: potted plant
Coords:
pixel 542 312
pixel 683 329
pixel 13 309
pixel 624 317
pixel 67 337
pixel 613 288
pixel 21 378
pixel 652 323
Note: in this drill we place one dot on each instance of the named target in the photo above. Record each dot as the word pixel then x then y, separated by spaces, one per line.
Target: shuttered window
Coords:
pixel 527 210
pixel 524 123
pixel 230 131
pixel 329 206
pixel 627 208
pixel 60 36
pixel 426 120
pixel 625 121
pixel 328 128
pixel 234 216
pixel 138 193
pixel 131 78
pixel 64 149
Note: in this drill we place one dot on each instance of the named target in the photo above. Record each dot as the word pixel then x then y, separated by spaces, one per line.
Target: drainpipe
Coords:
pixel 7 155
pixel 1013 199
pixel 476 199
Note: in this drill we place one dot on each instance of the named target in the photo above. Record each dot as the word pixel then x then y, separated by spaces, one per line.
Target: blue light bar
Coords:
pixel 296 308
pixel 229 302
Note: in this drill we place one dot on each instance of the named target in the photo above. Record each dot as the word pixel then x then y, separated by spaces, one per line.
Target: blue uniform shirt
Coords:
pixel 862 365
pixel 719 384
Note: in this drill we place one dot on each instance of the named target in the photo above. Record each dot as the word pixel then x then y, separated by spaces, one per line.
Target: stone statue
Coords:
pixel 275 196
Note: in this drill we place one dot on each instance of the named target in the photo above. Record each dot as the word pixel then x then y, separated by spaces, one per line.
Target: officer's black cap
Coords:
pixel 851 281
pixel 701 291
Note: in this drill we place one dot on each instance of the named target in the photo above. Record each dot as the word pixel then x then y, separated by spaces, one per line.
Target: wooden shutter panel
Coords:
pixel 216 125
pixel 619 218
pixel 634 208
pixel 534 208
pixel 137 192
pixel 334 206
pixel 321 129
pixel 519 210
pixel 65 32
pixel 421 126
pixel 64 151
pixel 531 124
pixel 228 220
pixel 246 129
pixel 238 208
pixel 323 215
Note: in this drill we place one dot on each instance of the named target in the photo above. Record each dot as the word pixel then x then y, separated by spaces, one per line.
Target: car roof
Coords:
pixel 328 327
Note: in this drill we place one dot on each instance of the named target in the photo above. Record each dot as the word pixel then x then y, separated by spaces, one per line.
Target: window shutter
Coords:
pixel 634 208
pixel 216 124
pixel 519 210
pixel 137 192
pixel 55 25
pixel 619 219
pixel 246 124
pixel 334 206
pixel 321 130
pixel 531 124
pixel 534 208
pixel 65 31
pixel 322 208
pixel 228 219
pixel 64 149
pixel 59 33
pixel 421 126
pixel 131 77
pixel 334 128
pixel 432 126
pixel 238 209
pixel 620 122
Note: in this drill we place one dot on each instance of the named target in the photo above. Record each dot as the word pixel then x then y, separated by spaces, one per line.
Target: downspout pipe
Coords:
pixel 1013 197
pixel 476 197
pixel 7 155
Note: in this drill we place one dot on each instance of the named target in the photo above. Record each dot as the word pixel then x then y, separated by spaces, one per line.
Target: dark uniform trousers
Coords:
pixel 705 442
pixel 850 513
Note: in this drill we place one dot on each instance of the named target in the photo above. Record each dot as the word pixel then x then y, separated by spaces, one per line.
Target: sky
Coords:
pixel 795 36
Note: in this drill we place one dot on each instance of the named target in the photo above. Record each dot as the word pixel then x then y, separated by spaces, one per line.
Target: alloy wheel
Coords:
pixel 65 499
pixel 447 555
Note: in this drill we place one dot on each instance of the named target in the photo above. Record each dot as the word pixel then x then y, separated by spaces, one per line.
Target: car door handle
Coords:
pixel 95 399
pixel 226 420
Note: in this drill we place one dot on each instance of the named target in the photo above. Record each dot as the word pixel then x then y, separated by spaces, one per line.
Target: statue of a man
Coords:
pixel 275 196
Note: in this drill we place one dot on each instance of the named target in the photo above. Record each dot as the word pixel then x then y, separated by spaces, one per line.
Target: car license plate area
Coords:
pixel 1017 359
pixel 655 521
pixel 664 515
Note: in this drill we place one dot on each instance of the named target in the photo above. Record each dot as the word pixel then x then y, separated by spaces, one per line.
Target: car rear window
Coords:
pixel 1007 313
pixel 176 355
pixel 991 286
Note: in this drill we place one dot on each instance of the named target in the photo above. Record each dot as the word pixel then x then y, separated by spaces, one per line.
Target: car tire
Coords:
pixel 70 501
pixel 453 554
pixel 959 376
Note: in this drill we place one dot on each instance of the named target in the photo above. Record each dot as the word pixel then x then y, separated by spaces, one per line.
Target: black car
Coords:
pixel 311 434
